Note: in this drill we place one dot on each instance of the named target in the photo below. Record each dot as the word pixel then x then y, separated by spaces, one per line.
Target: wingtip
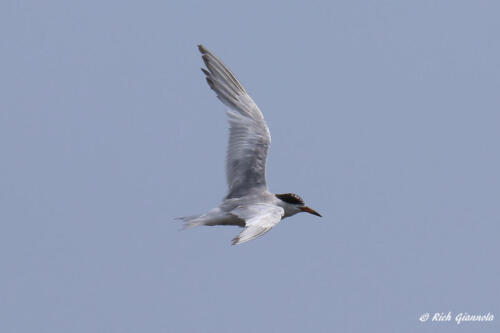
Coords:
pixel 235 240
pixel 202 49
pixel 205 71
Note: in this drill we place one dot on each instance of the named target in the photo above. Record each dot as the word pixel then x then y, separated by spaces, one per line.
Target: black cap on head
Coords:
pixel 290 198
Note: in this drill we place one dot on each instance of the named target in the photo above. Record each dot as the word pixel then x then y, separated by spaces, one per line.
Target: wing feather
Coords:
pixel 259 219
pixel 249 137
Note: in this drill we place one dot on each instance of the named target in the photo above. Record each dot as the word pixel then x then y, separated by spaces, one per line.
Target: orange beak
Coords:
pixel 310 211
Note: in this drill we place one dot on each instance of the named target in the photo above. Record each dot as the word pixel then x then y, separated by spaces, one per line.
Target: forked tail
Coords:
pixel 213 217
pixel 191 221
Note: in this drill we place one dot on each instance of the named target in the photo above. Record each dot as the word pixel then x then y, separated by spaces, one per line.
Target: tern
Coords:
pixel 248 203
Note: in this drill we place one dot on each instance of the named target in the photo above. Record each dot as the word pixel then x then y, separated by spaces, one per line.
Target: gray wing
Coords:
pixel 259 219
pixel 249 137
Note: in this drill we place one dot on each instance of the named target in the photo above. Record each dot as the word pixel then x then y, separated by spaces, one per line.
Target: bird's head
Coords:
pixel 293 204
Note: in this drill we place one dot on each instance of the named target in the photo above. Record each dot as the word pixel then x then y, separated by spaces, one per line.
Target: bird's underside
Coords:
pixel 257 218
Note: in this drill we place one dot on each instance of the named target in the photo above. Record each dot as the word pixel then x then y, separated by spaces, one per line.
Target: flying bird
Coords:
pixel 248 203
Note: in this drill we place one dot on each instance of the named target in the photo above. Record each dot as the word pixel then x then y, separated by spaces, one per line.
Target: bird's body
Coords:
pixel 248 203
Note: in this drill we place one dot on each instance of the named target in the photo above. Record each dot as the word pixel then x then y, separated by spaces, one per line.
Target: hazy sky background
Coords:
pixel 385 118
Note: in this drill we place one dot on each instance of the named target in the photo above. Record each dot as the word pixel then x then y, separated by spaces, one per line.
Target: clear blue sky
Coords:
pixel 384 116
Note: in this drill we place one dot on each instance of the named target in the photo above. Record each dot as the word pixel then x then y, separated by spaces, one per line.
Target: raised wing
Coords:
pixel 259 219
pixel 249 137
